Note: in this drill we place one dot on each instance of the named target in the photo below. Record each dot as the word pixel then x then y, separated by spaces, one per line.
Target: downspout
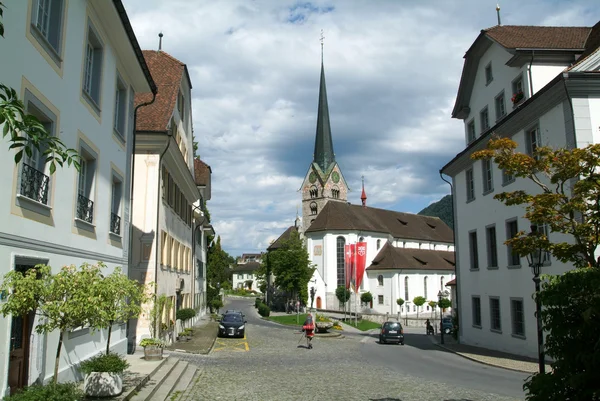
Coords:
pixel 456 269
pixel 530 79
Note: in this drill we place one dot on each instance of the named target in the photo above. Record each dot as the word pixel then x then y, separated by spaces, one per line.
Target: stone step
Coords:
pixel 168 385
pixel 156 380
pixel 184 382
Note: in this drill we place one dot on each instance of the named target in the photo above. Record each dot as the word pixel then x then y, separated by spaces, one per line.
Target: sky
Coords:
pixel 392 71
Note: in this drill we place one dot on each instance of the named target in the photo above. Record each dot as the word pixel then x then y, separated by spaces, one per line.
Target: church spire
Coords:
pixel 363 196
pixel 323 155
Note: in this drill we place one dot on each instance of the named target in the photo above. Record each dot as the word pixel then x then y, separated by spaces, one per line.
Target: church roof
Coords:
pixel 391 257
pixel 343 216
pixel 282 238
pixel 323 156
pixel 246 267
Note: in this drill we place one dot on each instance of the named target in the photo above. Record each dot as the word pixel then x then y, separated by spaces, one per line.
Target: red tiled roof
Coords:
pixel 167 72
pixel 539 37
pixel 391 257
pixel 451 283
pixel 202 172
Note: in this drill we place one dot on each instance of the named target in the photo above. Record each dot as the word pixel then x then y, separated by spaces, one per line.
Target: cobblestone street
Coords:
pixel 276 367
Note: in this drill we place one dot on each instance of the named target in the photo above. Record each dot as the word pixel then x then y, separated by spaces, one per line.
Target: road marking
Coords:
pixel 227 344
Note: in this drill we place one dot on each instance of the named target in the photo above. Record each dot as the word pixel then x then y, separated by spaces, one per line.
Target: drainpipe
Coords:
pixel 456 270
pixel 530 79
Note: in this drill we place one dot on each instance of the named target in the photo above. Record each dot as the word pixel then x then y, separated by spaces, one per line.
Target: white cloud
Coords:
pixel 392 71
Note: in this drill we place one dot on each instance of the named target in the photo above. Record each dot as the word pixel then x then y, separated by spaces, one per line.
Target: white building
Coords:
pixel 76 65
pixel 556 70
pixel 164 192
pixel 243 275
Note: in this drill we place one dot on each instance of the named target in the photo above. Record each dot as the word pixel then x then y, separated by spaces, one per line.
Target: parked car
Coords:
pixel 391 331
pixel 446 325
pixel 232 325
pixel 228 311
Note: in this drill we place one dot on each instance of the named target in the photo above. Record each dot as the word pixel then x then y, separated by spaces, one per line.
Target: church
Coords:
pixel 407 255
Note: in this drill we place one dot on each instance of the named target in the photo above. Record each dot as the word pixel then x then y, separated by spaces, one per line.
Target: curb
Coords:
pixel 211 347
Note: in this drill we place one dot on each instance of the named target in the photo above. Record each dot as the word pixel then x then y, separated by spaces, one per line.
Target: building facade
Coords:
pixel 164 191
pixel 78 68
pixel 538 86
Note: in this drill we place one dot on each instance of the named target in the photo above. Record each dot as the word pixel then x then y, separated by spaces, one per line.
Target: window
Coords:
pixel 495 322
pixel 500 106
pixel 313 191
pixel 517 317
pixel 341 252
pixel 476 309
pixel 120 108
pixel 115 215
pixel 164 248
pixel 488 183
pixel 485 119
pixel 470 185
pixel 406 288
pixel 471 136
pixel 492 249
pixel 473 250
pixel 488 74
pixel 380 280
pixel 313 208
pixel 442 282
pixel 85 185
pixel 532 140
pixel 511 231
pixel 92 73
pixel 425 287
pixel 47 26
pixel 380 299
pixel 181 106
pixel 378 243
pixel 517 90
pixel 507 178
pixel 240 276
pixel 542 229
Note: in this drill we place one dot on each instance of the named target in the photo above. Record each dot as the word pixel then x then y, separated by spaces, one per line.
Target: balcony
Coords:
pixel 115 224
pixel 34 184
pixel 85 209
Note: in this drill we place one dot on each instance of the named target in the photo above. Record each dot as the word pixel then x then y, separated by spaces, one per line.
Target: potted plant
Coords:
pixel 153 349
pixel 104 375
pixel 517 97
pixel 185 334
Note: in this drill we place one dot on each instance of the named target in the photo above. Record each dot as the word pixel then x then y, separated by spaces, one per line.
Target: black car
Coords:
pixel 228 311
pixel 232 325
pixel 391 331
pixel 446 325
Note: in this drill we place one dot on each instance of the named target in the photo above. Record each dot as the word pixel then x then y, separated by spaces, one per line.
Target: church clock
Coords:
pixel 312 177
pixel 336 177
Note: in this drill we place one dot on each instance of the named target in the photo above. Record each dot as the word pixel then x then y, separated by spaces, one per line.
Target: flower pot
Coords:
pixel 153 353
pixel 103 384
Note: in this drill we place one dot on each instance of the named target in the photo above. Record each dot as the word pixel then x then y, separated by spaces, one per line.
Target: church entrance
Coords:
pixel 318 302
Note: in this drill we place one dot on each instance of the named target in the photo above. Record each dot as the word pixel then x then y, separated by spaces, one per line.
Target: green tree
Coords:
pixel 26 133
pixel 400 301
pixel 432 305
pixel 441 209
pixel 445 303
pixel 292 268
pixel 218 262
pixel 419 301
pixel 366 298
pixel 567 202
pixel 342 294
pixel 63 301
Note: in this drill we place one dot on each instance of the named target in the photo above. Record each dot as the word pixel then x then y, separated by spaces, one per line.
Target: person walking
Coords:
pixel 309 329
pixel 429 327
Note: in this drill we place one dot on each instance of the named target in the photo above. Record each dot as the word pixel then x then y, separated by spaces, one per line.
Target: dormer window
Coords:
pixel 488 74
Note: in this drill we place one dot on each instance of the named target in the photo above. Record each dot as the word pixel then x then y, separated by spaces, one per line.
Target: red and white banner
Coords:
pixel 349 257
pixel 360 263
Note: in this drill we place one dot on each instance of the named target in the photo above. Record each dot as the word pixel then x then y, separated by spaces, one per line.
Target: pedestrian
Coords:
pixel 309 328
pixel 429 327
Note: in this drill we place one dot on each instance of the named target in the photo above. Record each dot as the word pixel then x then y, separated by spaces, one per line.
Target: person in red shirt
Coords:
pixel 309 330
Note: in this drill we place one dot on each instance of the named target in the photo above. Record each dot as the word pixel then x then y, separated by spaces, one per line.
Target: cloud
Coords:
pixel 392 70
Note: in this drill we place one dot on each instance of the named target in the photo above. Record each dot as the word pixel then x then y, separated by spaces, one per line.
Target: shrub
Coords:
pixel 185 314
pixel 257 302
pixel 151 341
pixel 186 332
pixel 111 363
pixel 50 392
pixel 366 297
pixel 322 318
pixel 216 304
pixel 264 310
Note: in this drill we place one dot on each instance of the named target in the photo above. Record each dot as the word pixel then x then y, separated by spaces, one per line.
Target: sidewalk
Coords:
pixel 205 334
pixel 489 356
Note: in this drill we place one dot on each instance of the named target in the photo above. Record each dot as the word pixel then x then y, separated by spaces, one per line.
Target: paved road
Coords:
pixel 269 364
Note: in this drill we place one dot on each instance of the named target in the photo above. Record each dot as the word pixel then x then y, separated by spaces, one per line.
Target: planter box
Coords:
pixel 153 353
pixel 103 384
pixel 322 327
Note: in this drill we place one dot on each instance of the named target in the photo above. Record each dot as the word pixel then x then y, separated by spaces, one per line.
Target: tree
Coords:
pixel 218 262
pixel 566 202
pixel 432 305
pixel 26 133
pixel 118 300
pixel 445 303
pixel 63 301
pixel 292 268
pixel 400 301
pixel 342 294
pixel 441 209
pixel 366 298
pixel 419 301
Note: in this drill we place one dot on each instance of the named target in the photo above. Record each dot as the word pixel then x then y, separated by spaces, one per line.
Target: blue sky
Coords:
pixel 392 70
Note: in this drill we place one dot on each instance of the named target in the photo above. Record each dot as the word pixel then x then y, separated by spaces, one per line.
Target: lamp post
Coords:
pixel 535 262
pixel 440 296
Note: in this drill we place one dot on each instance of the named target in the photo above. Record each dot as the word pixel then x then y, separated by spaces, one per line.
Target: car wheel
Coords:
pixel 381 341
pixel 446 330
pixel 402 343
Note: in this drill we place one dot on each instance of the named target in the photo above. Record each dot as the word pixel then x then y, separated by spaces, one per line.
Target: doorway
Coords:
pixel 318 302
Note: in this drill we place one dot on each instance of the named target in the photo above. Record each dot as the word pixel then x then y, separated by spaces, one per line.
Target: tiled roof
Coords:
pixel 592 44
pixel 246 267
pixel 451 283
pixel 391 257
pixel 202 172
pixel 167 72
pixel 282 238
pixel 343 216
pixel 539 37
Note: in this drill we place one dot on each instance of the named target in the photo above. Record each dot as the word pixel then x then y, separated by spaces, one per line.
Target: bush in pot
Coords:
pixel 153 348
pixel 104 375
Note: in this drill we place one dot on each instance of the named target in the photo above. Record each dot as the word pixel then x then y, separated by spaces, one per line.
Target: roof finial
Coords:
pixel 498 12
pixel 322 37
pixel 160 36
pixel 363 197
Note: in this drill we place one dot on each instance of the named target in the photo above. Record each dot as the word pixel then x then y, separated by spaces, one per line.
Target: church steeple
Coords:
pixel 323 155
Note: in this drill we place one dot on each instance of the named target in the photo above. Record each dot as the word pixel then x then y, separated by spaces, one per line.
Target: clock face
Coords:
pixel 312 177
pixel 336 177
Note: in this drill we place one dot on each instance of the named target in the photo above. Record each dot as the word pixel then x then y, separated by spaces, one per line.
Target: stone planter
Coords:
pixel 103 384
pixel 184 339
pixel 323 327
pixel 153 353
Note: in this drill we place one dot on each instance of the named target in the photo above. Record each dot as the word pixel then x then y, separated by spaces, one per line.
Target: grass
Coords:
pixel 289 320
pixel 363 325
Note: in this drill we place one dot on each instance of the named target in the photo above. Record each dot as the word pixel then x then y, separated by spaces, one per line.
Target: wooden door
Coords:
pixel 318 302
pixel 19 353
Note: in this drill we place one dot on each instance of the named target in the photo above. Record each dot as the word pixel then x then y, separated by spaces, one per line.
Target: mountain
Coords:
pixel 441 209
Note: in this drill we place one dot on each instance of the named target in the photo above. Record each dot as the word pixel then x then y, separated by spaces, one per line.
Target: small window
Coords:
pixel 476 309
pixel 92 74
pixel 495 320
pixel 517 317
pixel 380 299
pixel 473 250
pixel 335 193
pixel 240 276
pixel 380 280
pixel 488 74
pixel 85 186
pixel 507 178
pixel 115 215
pixel 120 108
pixel 488 181
pixel 313 191
pixel 471 135
pixel 470 185
pixel 485 119
pixel 47 26
pixel 378 243
pixel 500 106
pixel 533 141
pixel 511 231
pixel 492 249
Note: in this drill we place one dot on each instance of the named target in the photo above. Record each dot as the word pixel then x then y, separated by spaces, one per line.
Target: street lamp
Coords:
pixel 535 262
pixel 440 297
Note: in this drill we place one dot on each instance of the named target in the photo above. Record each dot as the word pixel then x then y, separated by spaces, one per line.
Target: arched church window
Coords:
pixel 313 191
pixel 442 283
pixel 335 192
pixel 425 287
pixel 380 280
pixel 313 208
pixel 378 243
pixel 341 277
pixel 406 288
